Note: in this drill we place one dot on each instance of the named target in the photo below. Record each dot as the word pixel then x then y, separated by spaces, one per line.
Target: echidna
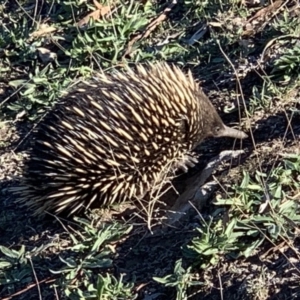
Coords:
pixel 108 140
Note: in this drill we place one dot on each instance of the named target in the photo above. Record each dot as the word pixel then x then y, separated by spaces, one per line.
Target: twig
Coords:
pixel 47 280
pixel 36 279
pixel 150 27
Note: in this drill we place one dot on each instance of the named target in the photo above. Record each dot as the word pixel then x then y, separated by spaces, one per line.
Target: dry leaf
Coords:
pixel 215 24
pixel 46 55
pixel 261 18
pixel 101 11
pixel 264 12
pixel 97 5
pixel 43 30
pixel 150 27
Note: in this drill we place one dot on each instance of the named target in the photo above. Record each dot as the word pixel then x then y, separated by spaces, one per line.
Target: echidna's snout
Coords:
pixel 231 132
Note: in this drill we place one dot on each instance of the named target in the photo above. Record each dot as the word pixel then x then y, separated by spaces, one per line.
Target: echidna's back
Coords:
pixel 110 139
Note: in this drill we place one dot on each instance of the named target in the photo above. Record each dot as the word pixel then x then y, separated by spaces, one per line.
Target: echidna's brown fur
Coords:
pixel 111 138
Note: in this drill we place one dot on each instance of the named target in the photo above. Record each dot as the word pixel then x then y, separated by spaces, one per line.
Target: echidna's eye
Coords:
pixel 217 131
